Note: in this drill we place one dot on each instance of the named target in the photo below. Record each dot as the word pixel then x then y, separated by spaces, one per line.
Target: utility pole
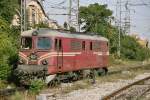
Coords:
pixel 73 14
pixel 78 17
pixel 118 24
pixel 120 15
pixel 23 16
pixel 127 18
pixel 116 19
pixel 21 19
pixel 69 13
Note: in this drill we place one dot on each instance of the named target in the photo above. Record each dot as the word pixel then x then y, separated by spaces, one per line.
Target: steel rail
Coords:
pixel 128 69
pixel 8 92
pixel 115 93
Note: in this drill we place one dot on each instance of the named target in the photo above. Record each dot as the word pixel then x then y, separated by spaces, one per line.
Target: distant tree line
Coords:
pixel 97 18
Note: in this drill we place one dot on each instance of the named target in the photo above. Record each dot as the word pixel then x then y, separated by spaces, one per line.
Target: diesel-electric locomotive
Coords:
pixel 54 54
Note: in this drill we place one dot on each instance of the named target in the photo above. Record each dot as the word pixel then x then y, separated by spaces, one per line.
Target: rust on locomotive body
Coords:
pixel 58 52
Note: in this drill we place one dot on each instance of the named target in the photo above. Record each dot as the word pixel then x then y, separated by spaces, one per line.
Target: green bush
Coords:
pixel 98 21
pixel 8 37
pixel 3 84
pixel 131 49
pixel 41 25
pixel 8 9
pixel 17 96
pixel 36 86
pixel 8 50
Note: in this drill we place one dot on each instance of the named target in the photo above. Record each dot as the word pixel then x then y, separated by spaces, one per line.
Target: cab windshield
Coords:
pixel 26 42
pixel 43 43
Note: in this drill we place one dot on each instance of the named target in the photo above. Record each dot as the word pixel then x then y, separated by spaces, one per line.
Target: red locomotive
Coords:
pixel 51 53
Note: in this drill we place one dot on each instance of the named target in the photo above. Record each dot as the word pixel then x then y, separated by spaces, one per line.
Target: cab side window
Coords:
pixel 83 45
pixel 91 46
pixel 76 45
pixel 58 44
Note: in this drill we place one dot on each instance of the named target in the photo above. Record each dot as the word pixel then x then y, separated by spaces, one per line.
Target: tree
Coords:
pixel 7 49
pixel 8 9
pixel 131 49
pixel 95 18
pixel 41 25
pixel 65 25
pixel 8 37
pixel 72 29
pixel 4 26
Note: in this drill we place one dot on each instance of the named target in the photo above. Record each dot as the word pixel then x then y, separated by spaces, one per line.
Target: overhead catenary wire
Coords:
pixel 145 3
pixel 64 7
pixel 56 3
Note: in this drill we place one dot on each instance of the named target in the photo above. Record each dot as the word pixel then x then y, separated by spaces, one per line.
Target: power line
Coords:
pixel 62 8
pixel 56 3
pixel 64 1
pixel 140 4
pixel 57 14
pixel 73 12
pixel 145 3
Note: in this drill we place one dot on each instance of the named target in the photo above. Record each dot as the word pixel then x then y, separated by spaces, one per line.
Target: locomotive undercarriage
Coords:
pixel 25 74
pixel 77 75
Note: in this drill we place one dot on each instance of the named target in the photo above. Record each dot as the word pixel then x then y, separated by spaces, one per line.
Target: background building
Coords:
pixel 142 41
pixel 34 15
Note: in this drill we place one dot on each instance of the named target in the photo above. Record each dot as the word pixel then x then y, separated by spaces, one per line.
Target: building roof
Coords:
pixel 57 33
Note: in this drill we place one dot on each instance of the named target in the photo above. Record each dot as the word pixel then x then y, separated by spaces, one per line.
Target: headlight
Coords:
pixel 44 62
pixel 21 61
pixel 33 56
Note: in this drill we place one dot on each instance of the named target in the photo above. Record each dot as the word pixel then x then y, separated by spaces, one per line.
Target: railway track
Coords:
pixel 8 92
pixel 129 69
pixel 133 91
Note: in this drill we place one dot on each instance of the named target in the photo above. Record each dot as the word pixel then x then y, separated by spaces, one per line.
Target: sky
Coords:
pixel 140 15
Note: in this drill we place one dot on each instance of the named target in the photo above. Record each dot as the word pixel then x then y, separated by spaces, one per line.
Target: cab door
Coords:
pixel 59 54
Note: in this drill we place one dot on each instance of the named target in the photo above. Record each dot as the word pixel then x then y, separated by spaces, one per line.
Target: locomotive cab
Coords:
pixel 39 49
pixel 32 48
pixel 34 54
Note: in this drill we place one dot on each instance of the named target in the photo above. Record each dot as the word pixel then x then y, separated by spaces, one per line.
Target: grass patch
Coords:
pixel 124 74
pixel 23 96
pixel 17 96
pixel 3 84
pixel 36 86
pixel 76 86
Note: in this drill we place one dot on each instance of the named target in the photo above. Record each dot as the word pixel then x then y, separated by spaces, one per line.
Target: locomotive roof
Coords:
pixel 57 33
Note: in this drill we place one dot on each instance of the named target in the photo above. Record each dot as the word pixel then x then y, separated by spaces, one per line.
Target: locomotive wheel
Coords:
pixel 75 77
pixel 95 72
pixel 54 82
pixel 86 73
pixel 102 71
